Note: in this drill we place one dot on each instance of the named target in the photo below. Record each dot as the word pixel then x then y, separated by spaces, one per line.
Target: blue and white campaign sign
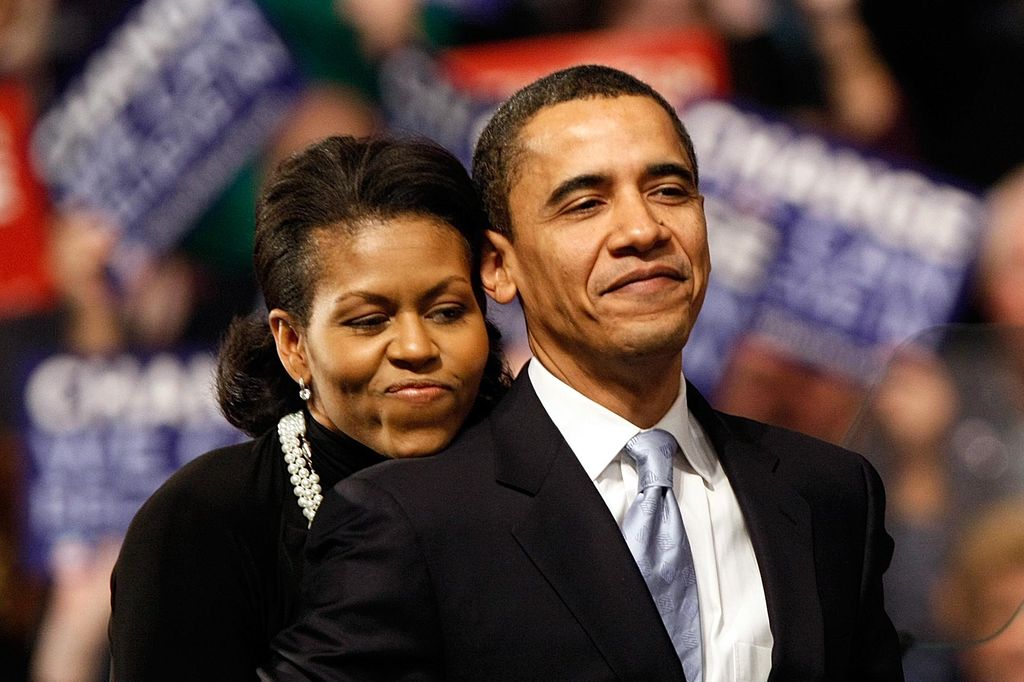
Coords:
pixel 102 433
pixel 418 99
pixel 162 117
pixel 825 251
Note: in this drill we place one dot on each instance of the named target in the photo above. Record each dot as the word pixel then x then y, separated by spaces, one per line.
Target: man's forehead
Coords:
pixel 561 117
pixel 568 128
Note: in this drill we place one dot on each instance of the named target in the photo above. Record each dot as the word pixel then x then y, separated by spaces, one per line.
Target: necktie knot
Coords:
pixel 652 451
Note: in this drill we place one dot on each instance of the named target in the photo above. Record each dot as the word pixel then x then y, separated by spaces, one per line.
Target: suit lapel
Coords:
pixel 572 539
pixel 779 524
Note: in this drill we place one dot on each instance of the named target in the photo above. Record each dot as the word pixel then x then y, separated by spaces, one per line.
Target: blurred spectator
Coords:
pixel 762 382
pixel 863 101
pixel 71 645
pixel 383 25
pixel 810 59
pixel 981 590
pixel 151 312
pixel 912 416
pixel 999 281
pixel 645 14
pixel 23 28
pixel 916 405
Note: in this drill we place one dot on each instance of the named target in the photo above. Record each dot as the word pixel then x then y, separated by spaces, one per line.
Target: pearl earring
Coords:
pixel 304 391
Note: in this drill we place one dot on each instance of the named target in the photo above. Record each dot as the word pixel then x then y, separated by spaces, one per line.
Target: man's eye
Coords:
pixel 671 191
pixel 584 205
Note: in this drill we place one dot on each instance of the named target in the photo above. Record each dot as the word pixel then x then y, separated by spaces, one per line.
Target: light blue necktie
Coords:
pixel 654 532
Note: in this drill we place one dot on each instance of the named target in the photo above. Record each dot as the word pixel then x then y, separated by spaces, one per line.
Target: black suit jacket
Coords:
pixel 498 560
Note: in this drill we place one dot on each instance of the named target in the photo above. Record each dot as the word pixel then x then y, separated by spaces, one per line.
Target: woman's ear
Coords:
pixel 496 269
pixel 291 345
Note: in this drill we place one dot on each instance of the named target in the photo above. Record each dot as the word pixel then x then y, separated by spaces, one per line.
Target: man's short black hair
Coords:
pixel 494 160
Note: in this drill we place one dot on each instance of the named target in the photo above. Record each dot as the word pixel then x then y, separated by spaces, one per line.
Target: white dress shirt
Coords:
pixel 737 639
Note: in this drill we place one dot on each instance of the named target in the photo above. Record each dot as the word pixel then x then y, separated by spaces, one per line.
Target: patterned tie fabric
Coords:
pixel 654 532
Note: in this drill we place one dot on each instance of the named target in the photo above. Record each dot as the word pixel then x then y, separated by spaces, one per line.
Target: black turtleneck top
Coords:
pixel 335 455
pixel 210 567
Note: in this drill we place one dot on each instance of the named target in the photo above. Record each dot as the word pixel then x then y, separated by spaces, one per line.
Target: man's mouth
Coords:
pixel 649 277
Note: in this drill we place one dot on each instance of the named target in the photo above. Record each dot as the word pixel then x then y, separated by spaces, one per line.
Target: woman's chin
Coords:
pixel 416 442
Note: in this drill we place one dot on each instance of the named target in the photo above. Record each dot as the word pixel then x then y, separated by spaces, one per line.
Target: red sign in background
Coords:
pixel 25 284
pixel 681 64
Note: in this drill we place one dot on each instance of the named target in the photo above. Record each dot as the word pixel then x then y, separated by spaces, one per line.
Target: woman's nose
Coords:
pixel 412 343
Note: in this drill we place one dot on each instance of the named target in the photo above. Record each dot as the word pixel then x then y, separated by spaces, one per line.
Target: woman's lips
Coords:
pixel 418 391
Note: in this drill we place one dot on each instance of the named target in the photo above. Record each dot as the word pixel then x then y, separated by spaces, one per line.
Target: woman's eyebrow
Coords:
pixel 443 286
pixel 376 298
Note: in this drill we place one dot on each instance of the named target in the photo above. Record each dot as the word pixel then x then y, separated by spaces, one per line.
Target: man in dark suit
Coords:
pixel 514 554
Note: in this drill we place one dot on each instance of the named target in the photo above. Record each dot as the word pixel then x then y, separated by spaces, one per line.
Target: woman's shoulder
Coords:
pixel 195 559
pixel 224 485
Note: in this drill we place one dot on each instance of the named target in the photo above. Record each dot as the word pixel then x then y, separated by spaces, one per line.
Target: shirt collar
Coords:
pixel 596 434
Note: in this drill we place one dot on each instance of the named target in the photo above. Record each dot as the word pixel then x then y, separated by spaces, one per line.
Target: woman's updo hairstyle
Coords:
pixel 339 183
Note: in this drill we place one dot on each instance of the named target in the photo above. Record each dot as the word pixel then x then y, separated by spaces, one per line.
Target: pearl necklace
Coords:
pixel 291 430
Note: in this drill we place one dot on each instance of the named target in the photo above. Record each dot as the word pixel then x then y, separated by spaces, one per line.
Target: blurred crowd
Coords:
pixel 934 84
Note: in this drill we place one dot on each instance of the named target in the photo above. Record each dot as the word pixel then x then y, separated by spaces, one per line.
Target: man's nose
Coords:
pixel 637 228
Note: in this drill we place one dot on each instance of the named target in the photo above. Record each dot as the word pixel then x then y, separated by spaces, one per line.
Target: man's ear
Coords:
pixel 495 268
pixel 291 345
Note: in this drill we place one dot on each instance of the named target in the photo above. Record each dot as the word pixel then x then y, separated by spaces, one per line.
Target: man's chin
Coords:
pixel 654 344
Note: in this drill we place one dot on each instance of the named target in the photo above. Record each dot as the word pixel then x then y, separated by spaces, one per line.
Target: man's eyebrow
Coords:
pixel 573 184
pixel 665 170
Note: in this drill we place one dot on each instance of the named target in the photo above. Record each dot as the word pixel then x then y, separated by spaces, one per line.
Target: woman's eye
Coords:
pixel 448 313
pixel 368 322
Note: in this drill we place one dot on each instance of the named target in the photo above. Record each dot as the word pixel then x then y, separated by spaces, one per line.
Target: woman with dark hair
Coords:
pixel 374 346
